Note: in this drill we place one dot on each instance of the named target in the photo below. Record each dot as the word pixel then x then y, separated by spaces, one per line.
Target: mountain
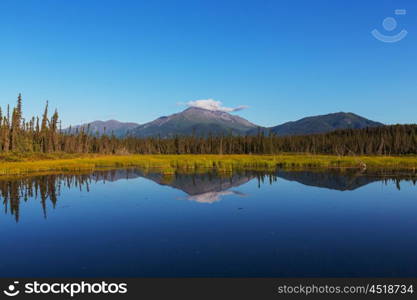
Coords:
pixel 111 126
pixel 198 120
pixel 202 122
pixel 322 124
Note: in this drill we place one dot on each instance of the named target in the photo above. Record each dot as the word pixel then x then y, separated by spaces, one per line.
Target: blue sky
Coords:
pixel 136 60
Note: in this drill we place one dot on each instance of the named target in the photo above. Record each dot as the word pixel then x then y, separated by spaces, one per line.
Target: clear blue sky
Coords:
pixel 136 60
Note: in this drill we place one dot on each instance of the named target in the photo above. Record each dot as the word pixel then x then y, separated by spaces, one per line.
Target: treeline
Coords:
pixel 45 135
pixel 34 135
pixel 387 140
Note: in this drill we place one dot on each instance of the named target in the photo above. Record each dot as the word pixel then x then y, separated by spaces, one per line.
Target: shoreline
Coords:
pixel 169 164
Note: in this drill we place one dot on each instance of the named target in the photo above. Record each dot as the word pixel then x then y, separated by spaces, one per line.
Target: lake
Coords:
pixel 130 223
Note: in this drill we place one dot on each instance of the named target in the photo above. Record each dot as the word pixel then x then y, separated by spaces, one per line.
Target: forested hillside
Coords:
pixel 44 135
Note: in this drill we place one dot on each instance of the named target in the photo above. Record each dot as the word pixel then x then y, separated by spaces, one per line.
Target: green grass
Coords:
pixel 14 164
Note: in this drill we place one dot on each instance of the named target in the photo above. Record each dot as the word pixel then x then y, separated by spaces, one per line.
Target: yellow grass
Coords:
pixel 168 164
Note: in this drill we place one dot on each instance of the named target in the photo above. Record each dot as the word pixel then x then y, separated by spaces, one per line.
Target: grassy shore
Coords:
pixel 13 164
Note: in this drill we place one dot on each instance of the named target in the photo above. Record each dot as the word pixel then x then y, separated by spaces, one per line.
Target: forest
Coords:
pixel 45 135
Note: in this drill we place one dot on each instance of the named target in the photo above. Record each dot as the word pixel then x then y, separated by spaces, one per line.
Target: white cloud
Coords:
pixel 211 104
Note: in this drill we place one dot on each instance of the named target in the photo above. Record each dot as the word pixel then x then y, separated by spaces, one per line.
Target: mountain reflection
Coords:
pixel 208 187
pixel 347 180
pixel 212 197
pixel 204 188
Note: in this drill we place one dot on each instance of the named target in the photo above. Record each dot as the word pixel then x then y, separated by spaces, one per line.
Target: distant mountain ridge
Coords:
pixel 324 123
pixel 109 127
pixel 202 122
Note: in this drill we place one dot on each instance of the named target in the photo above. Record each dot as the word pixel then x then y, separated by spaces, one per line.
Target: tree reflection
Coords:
pixel 48 187
pixel 206 187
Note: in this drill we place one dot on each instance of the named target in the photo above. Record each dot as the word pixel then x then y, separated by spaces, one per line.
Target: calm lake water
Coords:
pixel 289 223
